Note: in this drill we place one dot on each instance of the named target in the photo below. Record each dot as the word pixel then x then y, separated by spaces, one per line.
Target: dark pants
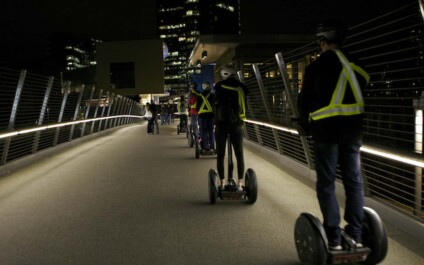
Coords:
pixel 150 126
pixel 206 125
pixel 234 132
pixel 183 121
pixel 327 156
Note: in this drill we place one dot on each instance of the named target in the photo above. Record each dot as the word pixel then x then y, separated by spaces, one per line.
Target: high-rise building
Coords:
pixel 180 24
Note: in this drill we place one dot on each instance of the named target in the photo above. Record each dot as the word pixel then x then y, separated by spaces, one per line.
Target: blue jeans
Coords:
pixel 194 119
pixel 327 156
pixel 206 125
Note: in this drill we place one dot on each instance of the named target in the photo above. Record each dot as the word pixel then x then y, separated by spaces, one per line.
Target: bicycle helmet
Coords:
pixel 331 31
pixel 226 72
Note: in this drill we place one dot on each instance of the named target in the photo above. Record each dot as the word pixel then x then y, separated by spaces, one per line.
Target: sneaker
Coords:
pixel 335 247
pixel 359 245
pixel 239 187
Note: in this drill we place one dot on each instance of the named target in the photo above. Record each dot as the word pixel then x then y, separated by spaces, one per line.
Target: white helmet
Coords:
pixel 226 72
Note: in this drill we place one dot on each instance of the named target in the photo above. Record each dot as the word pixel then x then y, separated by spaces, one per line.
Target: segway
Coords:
pixel 182 128
pixel 230 191
pixel 312 243
pixel 202 152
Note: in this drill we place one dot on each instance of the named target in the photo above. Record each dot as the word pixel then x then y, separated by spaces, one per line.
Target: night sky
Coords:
pixel 25 25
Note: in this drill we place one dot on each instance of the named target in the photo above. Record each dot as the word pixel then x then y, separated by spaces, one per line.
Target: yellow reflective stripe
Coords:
pixel 341 110
pixel 206 103
pixel 336 108
pixel 241 97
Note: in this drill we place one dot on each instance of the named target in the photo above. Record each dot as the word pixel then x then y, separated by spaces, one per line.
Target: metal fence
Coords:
pixel 38 112
pixel 391 48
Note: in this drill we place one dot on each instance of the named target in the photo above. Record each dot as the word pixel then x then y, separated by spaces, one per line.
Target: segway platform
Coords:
pixel 312 243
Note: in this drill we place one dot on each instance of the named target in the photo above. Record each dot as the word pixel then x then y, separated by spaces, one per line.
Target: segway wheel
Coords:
pixel 190 140
pixel 309 242
pixel 374 236
pixel 213 191
pixel 251 184
pixel 197 152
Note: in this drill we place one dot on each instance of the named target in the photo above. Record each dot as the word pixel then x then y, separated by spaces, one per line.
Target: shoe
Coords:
pixel 359 245
pixel 239 187
pixel 335 247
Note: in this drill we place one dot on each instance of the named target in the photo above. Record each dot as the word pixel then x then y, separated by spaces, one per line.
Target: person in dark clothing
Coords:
pixel 229 115
pixel 204 104
pixel 148 116
pixel 154 110
pixel 331 110
pixel 182 112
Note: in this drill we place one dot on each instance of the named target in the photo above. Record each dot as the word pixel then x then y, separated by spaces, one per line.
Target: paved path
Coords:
pixel 132 198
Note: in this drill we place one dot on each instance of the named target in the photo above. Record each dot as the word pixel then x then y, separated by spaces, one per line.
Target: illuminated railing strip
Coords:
pixel 364 148
pixel 42 128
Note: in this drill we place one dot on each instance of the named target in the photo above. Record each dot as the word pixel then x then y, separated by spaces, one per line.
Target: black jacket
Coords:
pixel 320 80
pixel 225 97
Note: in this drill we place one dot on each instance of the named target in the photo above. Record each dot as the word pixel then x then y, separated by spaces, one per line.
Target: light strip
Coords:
pixel 42 128
pixel 365 149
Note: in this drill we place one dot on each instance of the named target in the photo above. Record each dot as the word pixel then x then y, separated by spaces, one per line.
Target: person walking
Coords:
pixel 331 108
pixel 154 110
pixel 205 101
pixel 229 115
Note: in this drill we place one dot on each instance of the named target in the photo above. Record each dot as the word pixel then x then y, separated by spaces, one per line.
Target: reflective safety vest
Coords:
pixel 241 98
pixel 181 110
pixel 193 106
pixel 206 106
pixel 336 106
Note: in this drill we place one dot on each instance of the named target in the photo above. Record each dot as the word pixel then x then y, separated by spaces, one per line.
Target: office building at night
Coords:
pixel 180 24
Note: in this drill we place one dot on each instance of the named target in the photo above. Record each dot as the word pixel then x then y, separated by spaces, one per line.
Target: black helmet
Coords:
pixel 331 31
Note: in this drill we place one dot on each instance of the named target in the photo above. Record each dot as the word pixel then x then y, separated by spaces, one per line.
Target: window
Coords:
pixel 122 75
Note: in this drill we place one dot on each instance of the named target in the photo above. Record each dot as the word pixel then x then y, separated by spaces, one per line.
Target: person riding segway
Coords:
pixel 229 115
pixel 205 101
pixel 331 108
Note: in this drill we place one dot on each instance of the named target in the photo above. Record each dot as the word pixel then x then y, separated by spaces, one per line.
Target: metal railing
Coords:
pixel 391 48
pixel 38 112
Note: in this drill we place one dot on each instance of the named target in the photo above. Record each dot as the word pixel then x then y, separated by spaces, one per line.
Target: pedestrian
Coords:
pixel 331 109
pixel 204 104
pixel 154 110
pixel 148 115
pixel 229 115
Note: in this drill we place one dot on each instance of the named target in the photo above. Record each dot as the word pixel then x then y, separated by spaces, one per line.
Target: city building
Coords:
pixel 180 24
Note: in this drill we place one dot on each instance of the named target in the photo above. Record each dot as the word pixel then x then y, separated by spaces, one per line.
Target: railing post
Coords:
pixel 87 110
pixel 71 133
pixel 264 94
pixel 96 110
pixel 42 113
pixel 118 110
pixel 249 106
pixel 13 115
pixel 103 110
pixel 111 104
pixel 293 106
pixel 62 110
